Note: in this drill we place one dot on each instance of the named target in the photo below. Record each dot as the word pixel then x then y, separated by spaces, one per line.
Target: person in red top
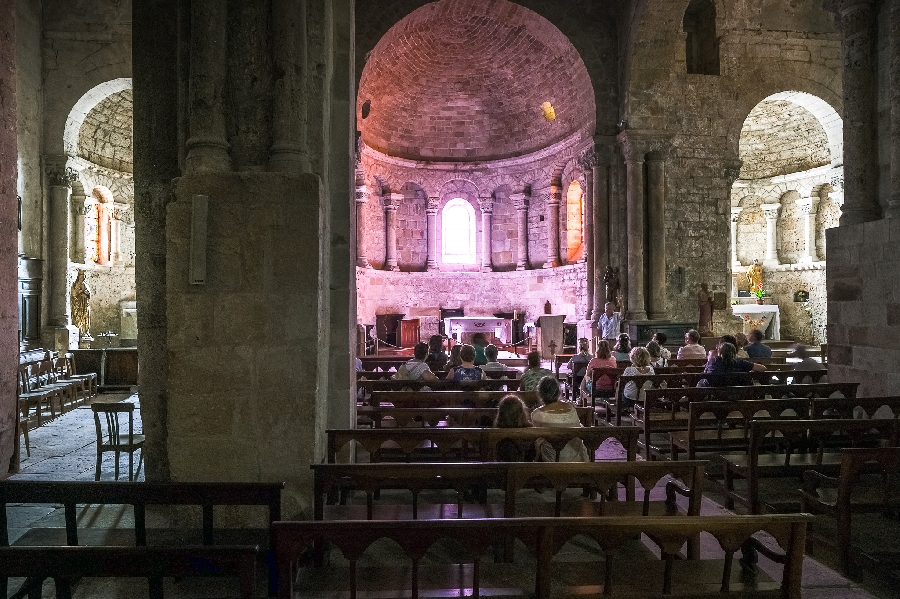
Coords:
pixel 604 359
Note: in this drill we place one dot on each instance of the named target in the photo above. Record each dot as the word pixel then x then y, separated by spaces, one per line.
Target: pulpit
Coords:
pixel 409 332
pixel 550 333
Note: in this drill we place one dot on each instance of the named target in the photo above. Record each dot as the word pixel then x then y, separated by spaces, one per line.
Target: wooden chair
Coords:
pixel 24 408
pixel 90 377
pixel 112 438
pixel 33 395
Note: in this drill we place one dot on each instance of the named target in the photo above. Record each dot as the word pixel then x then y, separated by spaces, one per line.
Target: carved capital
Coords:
pixel 731 169
pixel 486 204
pixel 62 177
pixel 736 213
pixel 519 200
pixel 392 200
pixel 771 210
pixel 362 194
pixel 433 204
pixel 587 160
pixel 636 144
pixel 808 205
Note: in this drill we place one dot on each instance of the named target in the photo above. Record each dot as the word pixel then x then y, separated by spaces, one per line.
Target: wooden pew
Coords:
pixel 455 417
pixel 512 478
pixel 470 444
pixel 489 384
pixel 65 564
pixel 450 399
pixel 865 407
pixel 543 537
pixel 667 410
pixel 820 442
pixel 865 484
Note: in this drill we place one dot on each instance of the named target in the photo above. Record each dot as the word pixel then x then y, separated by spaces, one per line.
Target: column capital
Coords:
pixel 486 203
pixel 808 205
pixel 636 144
pixel 732 170
pixel 392 200
pixel 432 203
pixel 519 200
pixel 362 194
pixel 770 210
pixel 736 213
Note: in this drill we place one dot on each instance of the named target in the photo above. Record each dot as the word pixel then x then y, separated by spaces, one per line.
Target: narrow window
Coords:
pixel 702 45
pixel 458 232
pixel 97 225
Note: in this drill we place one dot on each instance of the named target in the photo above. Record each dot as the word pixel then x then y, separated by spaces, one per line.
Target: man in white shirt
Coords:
pixel 692 349
pixel 609 325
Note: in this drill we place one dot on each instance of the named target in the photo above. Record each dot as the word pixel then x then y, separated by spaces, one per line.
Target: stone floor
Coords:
pixel 65 450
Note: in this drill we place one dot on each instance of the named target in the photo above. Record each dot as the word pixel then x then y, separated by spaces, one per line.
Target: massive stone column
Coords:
pixel 586 162
pixel 771 212
pixel 9 336
pixel 288 151
pixel 808 207
pixel 656 216
pixel 391 202
pixel 600 215
pixel 893 210
pixel 858 41
pixel 207 146
pixel 362 196
pixel 637 265
pixel 735 215
pixel 59 333
pixel 487 224
pixel 520 201
pixel 552 214
pixel 431 230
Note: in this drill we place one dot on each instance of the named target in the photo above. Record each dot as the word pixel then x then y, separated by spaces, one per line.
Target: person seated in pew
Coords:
pixel 726 361
pixel 692 348
pixel 534 373
pixel 491 352
pixel 578 363
pixel 557 414
pixel 479 342
pixel 798 350
pixel 466 371
pixel 604 359
pixel 656 359
pixel 741 344
pixel 756 348
pixel 416 369
pixel 622 349
pixel 711 354
pixel 640 364
pixel 512 413
pixel 437 358
pixel 454 360
pixel 661 338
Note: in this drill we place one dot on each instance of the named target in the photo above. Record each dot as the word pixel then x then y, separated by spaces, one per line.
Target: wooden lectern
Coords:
pixel 549 330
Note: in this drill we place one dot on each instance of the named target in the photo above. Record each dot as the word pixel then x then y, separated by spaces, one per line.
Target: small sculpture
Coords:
pixel 705 303
pixel 611 280
pixel 755 275
pixel 81 305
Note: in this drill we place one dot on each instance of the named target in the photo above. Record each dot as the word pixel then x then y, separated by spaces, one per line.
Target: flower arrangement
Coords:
pixel 758 291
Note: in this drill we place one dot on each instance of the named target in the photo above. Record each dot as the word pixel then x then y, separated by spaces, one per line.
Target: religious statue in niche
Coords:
pixel 611 280
pixel 705 303
pixel 81 306
pixel 755 275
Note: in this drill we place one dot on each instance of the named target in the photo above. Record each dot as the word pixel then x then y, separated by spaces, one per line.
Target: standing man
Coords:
pixel 609 325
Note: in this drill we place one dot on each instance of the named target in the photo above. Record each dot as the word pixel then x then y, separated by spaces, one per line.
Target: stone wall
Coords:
pixel 864 306
pixel 780 137
pixel 29 125
pixel 105 137
pixel 420 295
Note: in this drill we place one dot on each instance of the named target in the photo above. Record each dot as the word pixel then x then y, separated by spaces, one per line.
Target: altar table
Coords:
pixel 501 328
pixel 764 317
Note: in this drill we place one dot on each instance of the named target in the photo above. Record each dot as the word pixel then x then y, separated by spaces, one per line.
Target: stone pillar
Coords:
pixel 431 231
pixel 586 162
pixel 808 207
pixel 487 223
pixel 362 196
pixel 600 217
pixel 288 151
pixel 656 216
pixel 735 215
pixel 771 212
pixel 893 210
pixel 520 201
pixel 637 266
pixel 207 146
pixel 858 41
pixel 552 214
pixel 391 202
pixel 78 213
pixel 59 334
pixel 118 215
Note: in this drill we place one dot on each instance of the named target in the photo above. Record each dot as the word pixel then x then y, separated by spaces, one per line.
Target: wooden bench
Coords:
pixel 490 384
pixel 865 407
pixel 665 411
pixel 455 417
pixel 450 399
pixel 469 444
pixel 620 575
pixel 67 564
pixel 866 483
pixel 788 448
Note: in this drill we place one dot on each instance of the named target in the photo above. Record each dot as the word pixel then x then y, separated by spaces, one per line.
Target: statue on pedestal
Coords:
pixel 705 303
pixel 755 275
pixel 611 280
pixel 81 306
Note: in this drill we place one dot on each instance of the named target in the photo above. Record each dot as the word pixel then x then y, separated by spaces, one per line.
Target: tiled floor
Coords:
pixel 65 450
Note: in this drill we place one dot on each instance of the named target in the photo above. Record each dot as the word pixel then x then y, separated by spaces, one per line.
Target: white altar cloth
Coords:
pixel 765 317
pixel 501 328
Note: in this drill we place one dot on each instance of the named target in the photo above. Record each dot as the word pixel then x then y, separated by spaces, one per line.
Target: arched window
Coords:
pixel 97 225
pixel 702 45
pixel 458 232
pixel 574 232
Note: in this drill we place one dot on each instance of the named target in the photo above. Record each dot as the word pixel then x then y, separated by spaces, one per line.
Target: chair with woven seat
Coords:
pixel 29 392
pixel 90 378
pixel 110 437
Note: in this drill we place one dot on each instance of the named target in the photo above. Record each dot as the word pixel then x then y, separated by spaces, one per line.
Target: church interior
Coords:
pixel 219 212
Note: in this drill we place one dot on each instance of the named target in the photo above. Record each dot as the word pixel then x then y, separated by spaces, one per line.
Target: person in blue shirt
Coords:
pixel 725 363
pixel 756 348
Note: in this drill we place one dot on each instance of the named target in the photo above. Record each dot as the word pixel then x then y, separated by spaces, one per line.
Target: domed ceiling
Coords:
pixel 465 80
pixel 105 137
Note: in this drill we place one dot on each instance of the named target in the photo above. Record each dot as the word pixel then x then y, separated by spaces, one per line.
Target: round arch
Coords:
pixel 84 105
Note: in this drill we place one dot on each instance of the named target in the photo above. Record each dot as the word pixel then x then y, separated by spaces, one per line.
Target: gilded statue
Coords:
pixel 754 275
pixel 81 304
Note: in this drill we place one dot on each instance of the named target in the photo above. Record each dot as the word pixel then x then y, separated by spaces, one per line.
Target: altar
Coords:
pixel 499 328
pixel 765 317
